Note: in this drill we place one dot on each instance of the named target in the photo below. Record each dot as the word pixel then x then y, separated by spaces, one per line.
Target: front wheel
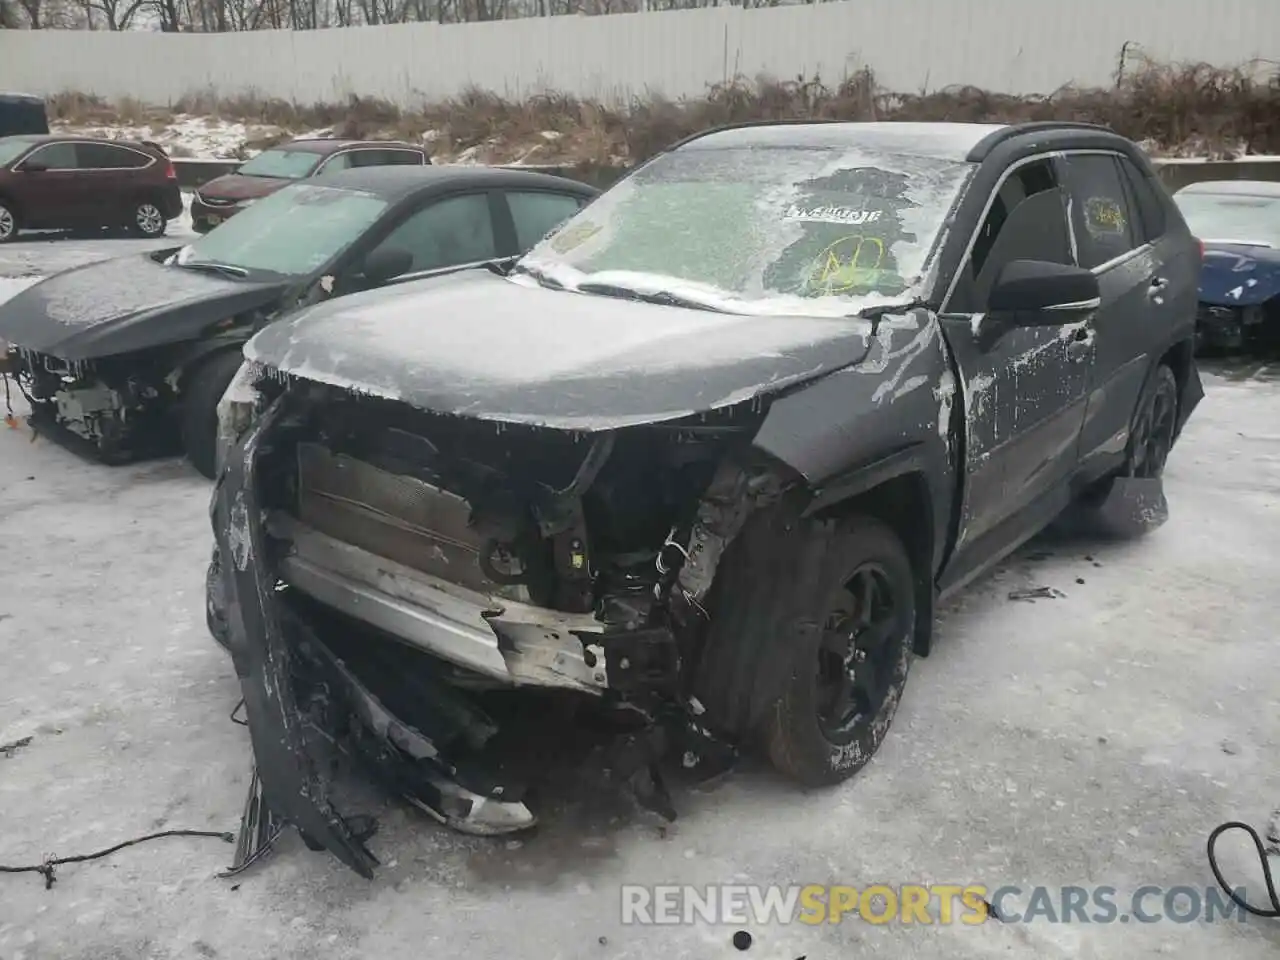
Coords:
pixel 831 612
pixel 148 220
pixel 200 409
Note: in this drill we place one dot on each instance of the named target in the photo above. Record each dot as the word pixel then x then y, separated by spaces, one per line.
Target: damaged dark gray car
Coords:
pixel 706 457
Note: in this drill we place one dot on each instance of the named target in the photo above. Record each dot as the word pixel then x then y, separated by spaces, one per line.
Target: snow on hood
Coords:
pixel 481 345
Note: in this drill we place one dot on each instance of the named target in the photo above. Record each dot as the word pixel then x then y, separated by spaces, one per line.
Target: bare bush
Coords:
pixel 1170 108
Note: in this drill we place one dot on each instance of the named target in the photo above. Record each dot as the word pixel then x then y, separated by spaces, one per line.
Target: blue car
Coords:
pixel 1238 223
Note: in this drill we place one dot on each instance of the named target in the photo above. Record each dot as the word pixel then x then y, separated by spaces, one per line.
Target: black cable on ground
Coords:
pixel 46 869
pixel 1268 879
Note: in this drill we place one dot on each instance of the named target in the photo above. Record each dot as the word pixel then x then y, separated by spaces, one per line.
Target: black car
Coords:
pixel 703 460
pixel 130 356
pixel 22 113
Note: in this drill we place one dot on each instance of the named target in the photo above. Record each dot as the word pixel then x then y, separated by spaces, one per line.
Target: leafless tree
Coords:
pixel 214 16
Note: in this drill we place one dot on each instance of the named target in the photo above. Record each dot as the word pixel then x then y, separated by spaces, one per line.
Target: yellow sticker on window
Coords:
pixel 1103 216
pixel 574 236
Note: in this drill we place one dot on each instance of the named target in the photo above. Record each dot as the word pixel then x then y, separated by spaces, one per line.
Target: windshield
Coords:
pixel 294 231
pixel 12 147
pixel 762 230
pixel 1237 217
pixel 283 163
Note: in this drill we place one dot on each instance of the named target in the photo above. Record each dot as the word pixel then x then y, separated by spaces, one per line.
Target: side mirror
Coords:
pixel 1032 293
pixel 387 264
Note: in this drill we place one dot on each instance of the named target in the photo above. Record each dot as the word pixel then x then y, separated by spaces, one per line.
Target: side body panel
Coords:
pixel 897 403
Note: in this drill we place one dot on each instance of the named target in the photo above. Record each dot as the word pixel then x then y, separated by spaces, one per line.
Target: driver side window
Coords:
pixel 1027 221
pixel 448 232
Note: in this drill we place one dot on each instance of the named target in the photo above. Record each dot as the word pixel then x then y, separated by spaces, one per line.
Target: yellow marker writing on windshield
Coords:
pixel 849 262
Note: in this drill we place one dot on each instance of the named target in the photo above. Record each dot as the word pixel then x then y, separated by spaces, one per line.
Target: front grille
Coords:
pixel 394 516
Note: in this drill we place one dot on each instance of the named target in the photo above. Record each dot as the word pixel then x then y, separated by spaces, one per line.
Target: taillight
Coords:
pixel 171 171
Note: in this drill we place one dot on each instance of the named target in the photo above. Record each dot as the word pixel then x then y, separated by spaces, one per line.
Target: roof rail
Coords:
pixel 983 147
pixel 744 124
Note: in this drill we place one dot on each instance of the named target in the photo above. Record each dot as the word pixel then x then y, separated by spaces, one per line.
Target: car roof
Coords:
pixel 11 96
pixel 42 138
pixel 1236 188
pixel 334 144
pixel 394 182
pixel 948 141
pixel 970 142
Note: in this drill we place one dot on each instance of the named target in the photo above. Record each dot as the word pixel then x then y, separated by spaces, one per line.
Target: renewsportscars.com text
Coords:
pixel 941 904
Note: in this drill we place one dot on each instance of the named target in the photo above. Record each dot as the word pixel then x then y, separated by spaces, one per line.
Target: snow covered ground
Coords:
pixel 1094 739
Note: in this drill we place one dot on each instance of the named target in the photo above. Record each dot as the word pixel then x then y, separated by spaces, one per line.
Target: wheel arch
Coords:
pixel 895 490
pixel 193 357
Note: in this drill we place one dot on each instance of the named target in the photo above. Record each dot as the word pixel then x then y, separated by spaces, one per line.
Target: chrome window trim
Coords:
pixel 1013 168
pixel 345 150
pixel 93 143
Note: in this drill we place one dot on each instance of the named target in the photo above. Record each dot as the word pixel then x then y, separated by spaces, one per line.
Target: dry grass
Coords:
pixel 1171 108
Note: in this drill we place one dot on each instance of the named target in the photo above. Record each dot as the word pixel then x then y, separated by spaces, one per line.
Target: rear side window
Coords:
pixel 105 156
pixel 1100 213
pixel 385 158
pixel 537 214
pixel 55 156
pixel 1146 200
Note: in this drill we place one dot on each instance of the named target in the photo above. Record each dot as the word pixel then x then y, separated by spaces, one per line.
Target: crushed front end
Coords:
pixel 407 590
pixel 117 408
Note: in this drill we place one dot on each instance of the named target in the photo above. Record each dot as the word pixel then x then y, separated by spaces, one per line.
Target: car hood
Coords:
pixel 238 186
pixel 1239 275
pixel 481 345
pixel 118 306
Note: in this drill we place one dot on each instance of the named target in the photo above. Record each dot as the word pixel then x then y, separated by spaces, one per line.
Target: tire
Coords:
pixel 1155 423
pixel 9 224
pixel 1154 418
pixel 204 389
pixel 147 219
pixel 780 645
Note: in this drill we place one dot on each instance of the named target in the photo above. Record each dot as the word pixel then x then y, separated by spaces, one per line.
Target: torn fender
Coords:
pixel 291 779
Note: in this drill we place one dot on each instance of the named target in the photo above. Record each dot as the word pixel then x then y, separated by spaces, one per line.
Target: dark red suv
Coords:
pixel 296 160
pixel 62 182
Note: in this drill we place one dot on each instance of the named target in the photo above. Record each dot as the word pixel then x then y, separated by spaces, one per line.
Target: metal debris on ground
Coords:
pixel 9 749
pixel 1036 593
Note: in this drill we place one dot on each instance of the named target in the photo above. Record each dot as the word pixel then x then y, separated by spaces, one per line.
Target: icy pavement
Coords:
pixel 40 254
pixel 1093 739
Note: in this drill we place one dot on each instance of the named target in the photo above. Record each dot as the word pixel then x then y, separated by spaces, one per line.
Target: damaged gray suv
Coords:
pixel 704 459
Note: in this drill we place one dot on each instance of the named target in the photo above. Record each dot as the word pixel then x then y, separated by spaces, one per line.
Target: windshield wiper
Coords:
pixel 543 279
pixel 663 298
pixel 875 313
pixel 226 269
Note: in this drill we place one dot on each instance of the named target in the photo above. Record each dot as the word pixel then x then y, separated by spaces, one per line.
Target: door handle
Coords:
pixel 1080 346
pixel 1157 287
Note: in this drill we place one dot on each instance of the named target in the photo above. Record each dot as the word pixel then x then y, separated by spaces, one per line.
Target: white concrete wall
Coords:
pixel 1014 46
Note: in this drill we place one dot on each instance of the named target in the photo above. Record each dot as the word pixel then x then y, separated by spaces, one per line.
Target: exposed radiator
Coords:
pixel 394 516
